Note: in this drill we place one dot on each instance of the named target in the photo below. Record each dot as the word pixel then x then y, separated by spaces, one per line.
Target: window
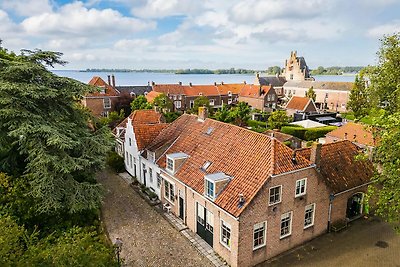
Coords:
pixel 130 157
pixel 268 97
pixel 272 97
pixel 291 76
pixel 177 104
pixel 174 97
pixel 309 216
pixel 225 234
pixel 286 224
pixel 229 93
pixel 200 214
pixel 107 103
pixel 170 164
pixel 158 180
pixel 169 191
pixel 151 175
pixel 212 102
pixel 209 189
pixel 326 95
pixel 259 235
pixel 191 103
pixel 301 187
pixel 275 195
pixel 229 101
pixel 209 221
pixel 180 97
pixel 126 157
pixel 294 92
pixel 130 141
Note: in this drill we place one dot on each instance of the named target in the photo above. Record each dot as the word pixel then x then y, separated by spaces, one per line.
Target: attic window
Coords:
pixel 206 165
pixel 209 130
pixel 214 184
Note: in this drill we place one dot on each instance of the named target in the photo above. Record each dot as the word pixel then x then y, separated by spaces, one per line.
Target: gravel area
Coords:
pixel 148 239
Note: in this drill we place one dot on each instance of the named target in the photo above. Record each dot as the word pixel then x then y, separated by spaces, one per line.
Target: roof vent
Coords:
pixel 241 200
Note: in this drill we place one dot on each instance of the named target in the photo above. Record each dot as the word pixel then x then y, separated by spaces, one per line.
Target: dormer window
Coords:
pixel 214 184
pixel 229 93
pixel 175 160
pixel 106 102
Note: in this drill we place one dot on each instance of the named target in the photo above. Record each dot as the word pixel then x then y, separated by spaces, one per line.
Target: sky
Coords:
pixel 171 34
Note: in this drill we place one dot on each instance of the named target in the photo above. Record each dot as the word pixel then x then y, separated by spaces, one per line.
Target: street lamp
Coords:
pixel 118 248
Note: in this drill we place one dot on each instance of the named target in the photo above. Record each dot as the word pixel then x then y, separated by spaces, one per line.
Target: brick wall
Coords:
pixel 339 204
pixel 253 102
pixel 96 105
pixel 259 211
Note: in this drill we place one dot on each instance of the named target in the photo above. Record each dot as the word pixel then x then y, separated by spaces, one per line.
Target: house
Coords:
pixel 296 68
pixel 174 92
pixel 134 90
pixel 229 92
pixel 132 135
pixel 276 82
pixel 244 193
pixel 104 98
pixel 346 177
pixel 359 134
pixel 329 95
pixel 259 97
pixel 194 91
pixel 290 140
pixel 299 104
pixel 150 96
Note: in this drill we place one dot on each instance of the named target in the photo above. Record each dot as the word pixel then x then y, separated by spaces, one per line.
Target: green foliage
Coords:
pixel 241 114
pixel 201 101
pixel 307 134
pixel 223 114
pixel 311 93
pixel 11 241
pixel 116 162
pixel 274 70
pixel 335 70
pixel 140 102
pixel 46 135
pixel 359 99
pixel 113 119
pixel 277 119
pixel 171 116
pixel 258 126
pixel 164 102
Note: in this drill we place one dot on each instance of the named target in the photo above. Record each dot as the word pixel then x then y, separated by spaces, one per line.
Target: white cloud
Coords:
pixel 26 7
pixel 388 28
pixel 132 44
pixel 77 20
pixel 164 8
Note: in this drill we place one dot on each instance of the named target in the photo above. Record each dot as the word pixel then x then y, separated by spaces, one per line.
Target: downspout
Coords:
pixel 331 198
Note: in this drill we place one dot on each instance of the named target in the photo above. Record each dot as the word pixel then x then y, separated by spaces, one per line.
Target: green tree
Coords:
pixel 277 119
pixel 311 93
pixel 223 114
pixel 241 114
pixel 163 102
pixel 171 116
pixel 113 119
pixel 46 136
pixel 201 101
pixel 359 98
pixel 12 244
pixel 140 102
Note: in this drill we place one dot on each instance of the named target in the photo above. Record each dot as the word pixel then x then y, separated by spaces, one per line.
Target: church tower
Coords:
pixel 296 68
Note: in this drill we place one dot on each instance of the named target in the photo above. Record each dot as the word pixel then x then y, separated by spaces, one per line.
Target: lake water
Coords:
pixel 142 78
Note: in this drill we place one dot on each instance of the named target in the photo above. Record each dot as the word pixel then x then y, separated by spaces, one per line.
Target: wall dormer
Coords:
pixel 214 184
pixel 174 161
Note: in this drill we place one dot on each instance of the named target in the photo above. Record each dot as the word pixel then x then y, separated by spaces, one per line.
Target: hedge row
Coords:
pixel 307 134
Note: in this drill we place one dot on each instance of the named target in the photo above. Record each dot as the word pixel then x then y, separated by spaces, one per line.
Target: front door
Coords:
pixel 181 208
pixel 144 175
pixel 354 206
pixel 205 224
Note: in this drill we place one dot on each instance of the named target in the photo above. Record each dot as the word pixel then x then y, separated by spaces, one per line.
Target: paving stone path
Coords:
pixel 148 239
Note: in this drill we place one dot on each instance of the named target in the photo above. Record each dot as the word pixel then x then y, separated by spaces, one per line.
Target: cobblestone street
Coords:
pixel 148 239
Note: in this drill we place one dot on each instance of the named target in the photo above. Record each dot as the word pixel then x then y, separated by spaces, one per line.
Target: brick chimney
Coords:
pixel 113 80
pixel 180 83
pixel 109 80
pixel 203 113
pixel 315 156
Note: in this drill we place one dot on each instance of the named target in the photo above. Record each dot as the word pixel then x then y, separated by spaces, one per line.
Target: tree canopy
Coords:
pixel 359 99
pixel 140 102
pixel 277 119
pixel 311 93
pixel 201 101
pixel 163 102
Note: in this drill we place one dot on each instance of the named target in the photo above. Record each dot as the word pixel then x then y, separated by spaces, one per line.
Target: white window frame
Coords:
pixel 284 216
pixel 177 104
pixel 167 193
pixel 312 217
pixel 108 102
pixel 158 180
pixel 256 227
pixel 228 228
pixel 191 103
pixel 168 165
pixel 151 175
pixel 212 102
pixel 130 141
pixel 299 185
pixel 200 214
pixel 209 221
pixel 206 189
pixel 280 195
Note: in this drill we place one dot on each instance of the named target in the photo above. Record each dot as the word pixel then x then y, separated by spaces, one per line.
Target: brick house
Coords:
pixel 104 99
pixel 298 104
pixel 346 178
pixel 260 97
pixel 296 68
pixel 276 82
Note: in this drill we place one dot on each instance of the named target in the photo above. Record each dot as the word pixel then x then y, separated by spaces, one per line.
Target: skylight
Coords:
pixel 206 165
pixel 209 130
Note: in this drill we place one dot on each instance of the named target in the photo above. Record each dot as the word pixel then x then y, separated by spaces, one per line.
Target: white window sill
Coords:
pixel 169 201
pixel 308 226
pixel 301 195
pixel 285 236
pixel 225 245
pixel 258 247
pixel 275 203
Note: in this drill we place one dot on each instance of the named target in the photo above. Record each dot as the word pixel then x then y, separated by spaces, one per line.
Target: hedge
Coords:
pixel 307 134
pixel 116 162
pixel 257 124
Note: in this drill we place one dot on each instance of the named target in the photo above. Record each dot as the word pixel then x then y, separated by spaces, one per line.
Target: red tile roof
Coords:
pixel 174 89
pixel 339 167
pixel 248 157
pixel 151 95
pixel 234 88
pixel 205 90
pixel 99 82
pixel 145 133
pixel 355 132
pixel 251 90
pixel 298 103
pixel 282 137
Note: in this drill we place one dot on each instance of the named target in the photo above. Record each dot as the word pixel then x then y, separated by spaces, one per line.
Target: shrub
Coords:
pixel 307 134
pixel 116 162
pixel 257 124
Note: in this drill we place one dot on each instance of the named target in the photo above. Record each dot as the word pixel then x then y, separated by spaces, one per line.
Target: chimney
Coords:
pixel 203 113
pixel 345 136
pixel 113 80
pixel 109 80
pixel 222 83
pixel 215 83
pixel 180 83
pixel 190 84
pixel 258 75
pixel 294 160
pixel 244 82
pixel 153 83
pixel 315 156
pixel 260 91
